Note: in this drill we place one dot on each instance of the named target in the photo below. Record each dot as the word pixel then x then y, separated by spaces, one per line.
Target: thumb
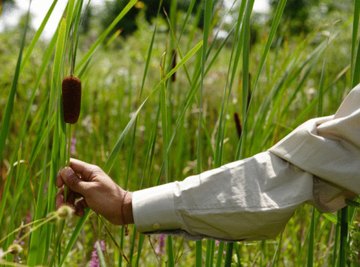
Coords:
pixel 73 181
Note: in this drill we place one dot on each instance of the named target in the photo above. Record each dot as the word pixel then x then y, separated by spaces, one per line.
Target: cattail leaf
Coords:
pixel 232 72
pixel 5 122
pixel 5 125
pixel 58 139
pixel 100 254
pixel 74 236
pixel 274 26
pixel 37 35
pixel 311 241
pixel 116 150
pixel 330 217
pixel 355 52
pixel 100 40
pixel 189 55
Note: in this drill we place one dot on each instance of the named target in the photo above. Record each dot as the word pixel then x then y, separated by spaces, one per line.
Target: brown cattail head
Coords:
pixel 237 124
pixel 173 64
pixel 71 98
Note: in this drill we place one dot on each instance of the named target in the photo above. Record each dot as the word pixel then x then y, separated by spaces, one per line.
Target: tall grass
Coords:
pixel 147 121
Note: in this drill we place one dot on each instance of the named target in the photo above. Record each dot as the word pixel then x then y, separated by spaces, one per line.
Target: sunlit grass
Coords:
pixel 146 129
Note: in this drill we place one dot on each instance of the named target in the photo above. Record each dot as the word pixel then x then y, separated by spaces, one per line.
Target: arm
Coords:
pixel 90 187
pixel 247 199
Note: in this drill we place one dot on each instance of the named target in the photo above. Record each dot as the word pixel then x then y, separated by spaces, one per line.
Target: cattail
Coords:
pixel 173 64
pixel 248 100
pixel 71 98
pixel 237 124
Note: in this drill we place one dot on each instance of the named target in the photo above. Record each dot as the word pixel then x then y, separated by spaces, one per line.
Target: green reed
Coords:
pixel 145 128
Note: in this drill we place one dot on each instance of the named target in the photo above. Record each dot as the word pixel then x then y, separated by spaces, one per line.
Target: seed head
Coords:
pixel 71 98
pixel 65 212
pixel 15 248
pixel 2 253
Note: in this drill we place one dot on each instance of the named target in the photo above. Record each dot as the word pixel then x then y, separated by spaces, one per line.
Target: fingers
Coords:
pixel 80 207
pixel 59 201
pixel 68 197
pixel 85 170
pixel 68 177
pixel 59 182
pixel 76 177
pixel 73 199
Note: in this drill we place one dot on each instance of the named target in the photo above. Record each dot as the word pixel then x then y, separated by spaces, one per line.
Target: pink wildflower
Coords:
pixel 94 262
pixel 73 146
pixel 161 245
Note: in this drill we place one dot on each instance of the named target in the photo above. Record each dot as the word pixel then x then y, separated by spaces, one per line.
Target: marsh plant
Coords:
pixel 169 101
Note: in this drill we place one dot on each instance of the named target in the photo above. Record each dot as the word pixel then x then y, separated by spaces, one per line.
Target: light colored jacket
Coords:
pixel 254 198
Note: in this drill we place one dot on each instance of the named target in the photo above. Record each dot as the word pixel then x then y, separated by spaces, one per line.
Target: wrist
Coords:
pixel 126 209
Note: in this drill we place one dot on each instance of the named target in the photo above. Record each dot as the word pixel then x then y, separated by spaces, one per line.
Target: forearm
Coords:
pixel 247 199
pixel 254 198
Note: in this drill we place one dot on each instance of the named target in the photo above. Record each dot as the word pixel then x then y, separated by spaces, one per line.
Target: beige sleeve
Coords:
pixel 255 197
pixel 328 148
pixel 245 200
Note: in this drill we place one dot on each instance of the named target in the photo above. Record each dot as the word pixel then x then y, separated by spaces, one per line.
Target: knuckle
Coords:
pixel 95 170
pixel 73 180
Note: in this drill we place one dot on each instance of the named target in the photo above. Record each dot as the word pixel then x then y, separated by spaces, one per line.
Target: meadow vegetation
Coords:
pixel 148 119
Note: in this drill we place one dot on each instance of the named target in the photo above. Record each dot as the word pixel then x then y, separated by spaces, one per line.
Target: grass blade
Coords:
pixel 103 36
pixel 310 256
pixel 74 236
pixel 37 35
pixel 354 67
pixel 5 126
pixel 274 26
pixel 100 254
pixel 116 150
pixel 343 237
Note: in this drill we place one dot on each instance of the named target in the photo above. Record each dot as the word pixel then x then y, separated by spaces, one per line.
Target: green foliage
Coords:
pixel 150 9
pixel 296 14
pixel 302 16
pixel 146 128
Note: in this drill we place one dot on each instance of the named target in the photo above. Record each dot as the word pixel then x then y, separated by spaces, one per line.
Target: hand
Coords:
pixel 89 186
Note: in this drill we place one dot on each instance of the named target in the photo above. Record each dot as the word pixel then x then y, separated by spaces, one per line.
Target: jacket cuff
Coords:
pixel 154 209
